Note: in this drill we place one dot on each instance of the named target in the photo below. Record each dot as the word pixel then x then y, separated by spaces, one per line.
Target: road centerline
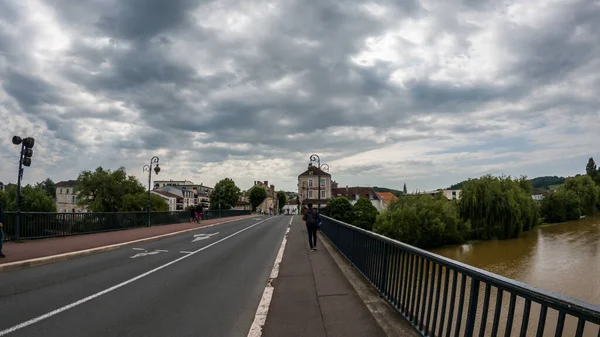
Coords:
pixel 120 285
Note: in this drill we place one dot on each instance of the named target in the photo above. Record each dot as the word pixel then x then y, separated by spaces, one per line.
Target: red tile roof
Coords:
pixel 351 192
pixel 387 197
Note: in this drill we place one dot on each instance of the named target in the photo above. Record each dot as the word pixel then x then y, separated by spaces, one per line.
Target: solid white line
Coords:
pixel 260 318
pixel 185 252
pixel 161 250
pixel 120 285
pixel 138 248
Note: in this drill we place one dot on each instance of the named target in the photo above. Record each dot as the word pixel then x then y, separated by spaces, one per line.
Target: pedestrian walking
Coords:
pixel 313 219
pixel 199 213
pixel 192 214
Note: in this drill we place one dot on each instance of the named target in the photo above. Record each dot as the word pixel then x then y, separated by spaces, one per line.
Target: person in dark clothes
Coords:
pixel 192 214
pixel 312 218
pixel 198 213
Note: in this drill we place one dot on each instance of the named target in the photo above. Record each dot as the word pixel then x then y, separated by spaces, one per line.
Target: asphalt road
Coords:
pixel 172 287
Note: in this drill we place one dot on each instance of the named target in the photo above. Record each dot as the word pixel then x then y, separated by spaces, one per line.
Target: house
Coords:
pixel 308 186
pixel 66 197
pixel 171 199
pixel 185 197
pixel 386 198
pixel 271 203
pixel 449 194
pixel 201 193
pixel 355 193
pixel 539 195
pixel 2 186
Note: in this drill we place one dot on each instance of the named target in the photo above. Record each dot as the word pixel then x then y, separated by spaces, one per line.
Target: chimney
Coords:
pixel 266 183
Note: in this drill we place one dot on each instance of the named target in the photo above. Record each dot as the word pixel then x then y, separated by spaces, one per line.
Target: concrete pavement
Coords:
pixel 186 285
pixel 313 298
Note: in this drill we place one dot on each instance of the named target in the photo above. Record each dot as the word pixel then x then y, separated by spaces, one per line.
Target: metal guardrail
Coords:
pixel 36 225
pixel 444 298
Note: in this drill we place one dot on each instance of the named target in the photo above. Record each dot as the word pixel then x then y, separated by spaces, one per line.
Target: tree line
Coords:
pixel 489 207
pixel 105 190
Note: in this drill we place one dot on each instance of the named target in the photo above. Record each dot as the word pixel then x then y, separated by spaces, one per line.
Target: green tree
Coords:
pixel 340 208
pixel 587 192
pixel 139 201
pixel 422 221
pixel 497 207
pixel 257 195
pixel 105 190
pixel 49 186
pixel 32 199
pixel 281 199
pixel 365 214
pixel 592 171
pixel 227 192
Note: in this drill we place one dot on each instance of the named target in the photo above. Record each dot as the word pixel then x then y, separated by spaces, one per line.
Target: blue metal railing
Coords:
pixel 444 298
pixel 36 225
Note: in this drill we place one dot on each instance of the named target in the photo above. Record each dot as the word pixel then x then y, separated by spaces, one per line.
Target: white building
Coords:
pixel 185 198
pixel 171 199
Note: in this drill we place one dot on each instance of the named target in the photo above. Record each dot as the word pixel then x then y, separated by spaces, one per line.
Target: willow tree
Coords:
pixel 498 207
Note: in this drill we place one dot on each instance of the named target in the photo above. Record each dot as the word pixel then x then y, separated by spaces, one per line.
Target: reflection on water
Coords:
pixel 563 258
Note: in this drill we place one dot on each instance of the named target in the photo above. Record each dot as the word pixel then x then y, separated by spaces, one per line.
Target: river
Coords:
pixel 563 258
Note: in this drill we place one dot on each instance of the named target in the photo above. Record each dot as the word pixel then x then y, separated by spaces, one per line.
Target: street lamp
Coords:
pixel 27 144
pixel 316 158
pixel 153 161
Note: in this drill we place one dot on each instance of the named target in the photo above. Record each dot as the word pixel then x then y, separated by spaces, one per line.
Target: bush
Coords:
pixel 422 221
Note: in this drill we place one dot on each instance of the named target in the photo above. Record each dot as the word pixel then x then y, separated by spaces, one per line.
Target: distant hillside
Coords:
pixel 547 182
pixel 385 189
pixel 539 183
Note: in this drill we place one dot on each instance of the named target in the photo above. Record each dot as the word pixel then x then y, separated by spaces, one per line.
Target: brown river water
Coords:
pixel 563 258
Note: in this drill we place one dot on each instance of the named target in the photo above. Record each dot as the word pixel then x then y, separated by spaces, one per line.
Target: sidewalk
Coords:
pixel 41 248
pixel 312 297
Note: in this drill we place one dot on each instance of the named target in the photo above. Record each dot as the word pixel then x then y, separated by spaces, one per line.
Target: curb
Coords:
pixel 80 253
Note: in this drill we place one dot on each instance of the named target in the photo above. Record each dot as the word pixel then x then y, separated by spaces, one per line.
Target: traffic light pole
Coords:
pixel 19 178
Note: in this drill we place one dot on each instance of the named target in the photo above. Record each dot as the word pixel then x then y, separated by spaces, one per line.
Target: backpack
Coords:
pixel 312 216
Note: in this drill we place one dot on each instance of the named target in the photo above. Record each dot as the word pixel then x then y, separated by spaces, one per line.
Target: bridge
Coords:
pixel 181 279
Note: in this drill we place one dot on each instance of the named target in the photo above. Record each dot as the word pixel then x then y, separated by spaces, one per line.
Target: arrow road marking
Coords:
pixel 146 253
pixel 203 236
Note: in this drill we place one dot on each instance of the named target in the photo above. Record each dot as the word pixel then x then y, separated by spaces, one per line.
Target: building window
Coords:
pixel 323 182
pixel 73 210
pixel 67 191
pixel 61 191
pixel 322 194
pixel 310 194
pixel 310 182
pixel 73 198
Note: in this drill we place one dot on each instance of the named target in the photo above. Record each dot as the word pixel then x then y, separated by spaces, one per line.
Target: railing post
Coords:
pixel 472 309
pixel 385 270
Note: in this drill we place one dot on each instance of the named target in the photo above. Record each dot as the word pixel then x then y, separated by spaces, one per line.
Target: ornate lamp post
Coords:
pixel 24 160
pixel 148 168
pixel 316 158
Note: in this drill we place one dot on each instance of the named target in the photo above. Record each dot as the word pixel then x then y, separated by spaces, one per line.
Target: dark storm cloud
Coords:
pixel 131 52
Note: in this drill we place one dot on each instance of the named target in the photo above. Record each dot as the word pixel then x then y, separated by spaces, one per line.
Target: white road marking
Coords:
pixel 138 248
pixel 185 252
pixel 260 318
pixel 161 250
pixel 146 253
pixel 120 285
pixel 203 236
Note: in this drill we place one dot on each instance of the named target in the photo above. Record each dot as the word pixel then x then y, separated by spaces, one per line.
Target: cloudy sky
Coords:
pixel 424 92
